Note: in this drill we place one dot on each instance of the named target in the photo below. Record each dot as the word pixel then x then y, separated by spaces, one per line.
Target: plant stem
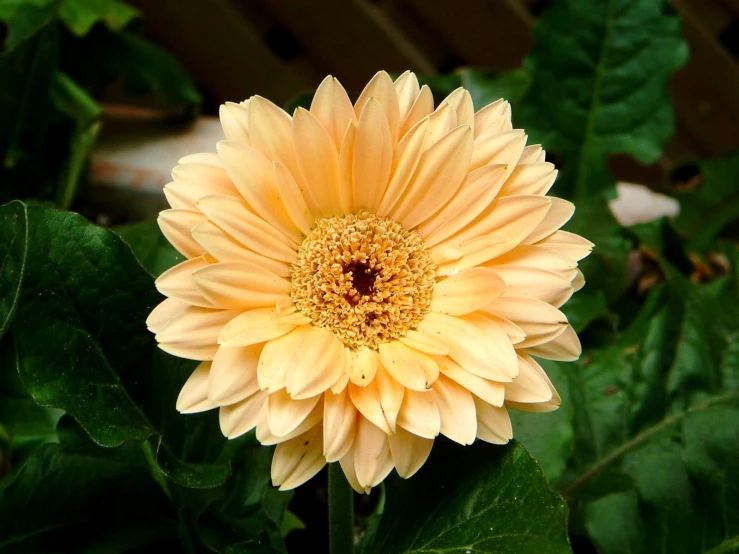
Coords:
pixel 340 511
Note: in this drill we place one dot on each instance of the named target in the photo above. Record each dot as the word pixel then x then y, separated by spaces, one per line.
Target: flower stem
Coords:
pixel 340 511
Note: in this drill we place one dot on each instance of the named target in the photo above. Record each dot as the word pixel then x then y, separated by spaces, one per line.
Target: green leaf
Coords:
pixel 80 15
pixel 484 86
pixel 600 70
pixel 60 500
pixel 151 248
pixel 80 324
pixel 25 18
pixel 13 254
pixel 656 430
pixel 481 498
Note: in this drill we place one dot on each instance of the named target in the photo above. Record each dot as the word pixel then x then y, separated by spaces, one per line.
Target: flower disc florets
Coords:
pixel 363 277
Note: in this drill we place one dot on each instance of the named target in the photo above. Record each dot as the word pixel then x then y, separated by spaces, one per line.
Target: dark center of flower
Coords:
pixel 363 282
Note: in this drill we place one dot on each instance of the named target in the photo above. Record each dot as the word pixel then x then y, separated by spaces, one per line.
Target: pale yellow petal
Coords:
pixel 489 119
pixel 255 326
pixel 422 107
pixel 364 366
pixel 456 410
pixel 424 343
pixel 502 149
pixel 528 387
pixel 346 169
pixel 467 291
pixel 541 322
pixel 490 391
pixel 254 176
pixel 532 154
pixel 276 358
pixel 536 257
pixel 539 407
pixel 163 313
pixel 409 452
pixel 579 281
pixel 379 401
pixel 347 466
pixel 177 283
pixel 193 397
pixel 382 90
pixel 493 423
pixel 285 413
pixel 240 285
pixel 565 347
pixel 567 244
pixel 297 460
pixel 292 197
pixel 235 121
pixel 176 226
pixel 408 366
pixel 373 157
pixel 407 89
pixel 559 213
pixel 343 381
pixel 439 174
pixel 419 414
pixel 479 188
pixel 240 418
pixel 317 365
pixel 193 333
pixel 183 195
pixel 476 343
pixel 224 248
pixel 542 285
pixel 461 102
pixel 234 217
pixel 206 170
pixel 332 107
pixel 318 159
pixel 339 425
pixel 233 375
pixel 371 453
pixel 267 438
pixel 535 178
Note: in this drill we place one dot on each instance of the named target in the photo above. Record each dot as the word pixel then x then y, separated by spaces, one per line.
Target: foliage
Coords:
pixel 642 456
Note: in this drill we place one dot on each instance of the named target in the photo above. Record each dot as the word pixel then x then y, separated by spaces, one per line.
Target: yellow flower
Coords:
pixel 362 278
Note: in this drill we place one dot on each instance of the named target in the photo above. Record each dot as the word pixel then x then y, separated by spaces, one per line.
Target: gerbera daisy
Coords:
pixel 364 277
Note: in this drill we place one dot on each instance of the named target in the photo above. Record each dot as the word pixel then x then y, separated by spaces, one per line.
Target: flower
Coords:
pixel 362 278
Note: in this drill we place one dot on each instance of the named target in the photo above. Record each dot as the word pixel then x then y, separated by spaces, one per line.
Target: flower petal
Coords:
pixel 284 413
pixel 541 322
pixel 318 160
pixel 467 291
pixel 339 425
pixel 193 333
pixel 193 397
pixel 419 414
pixel 332 107
pixel 409 452
pixel 317 365
pixel 502 149
pixel 565 348
pixel 233 375
pixel 177 283
pixel 461 102
pixel 488 119
pixel 291 195
pixel 371 453
pixel 528 387
pixel 240 285
pixel 364 366
pixel 163 313
pixel 297 460
pixel 347 465
pixel 560 213
pixel 379 401
pixel 491 392
pixel 382 90
pixel 255 326
pixel 567 244
pixel 276 358
pixel 422 107
pixel 424 343
pixel 534 178
pixel 235 121
pixel 267 438
pixel 528 282
pixel 240 418
pixel 456 410
pixel 373 157
pixel 176 226
pixel 493 423
pixel 408 366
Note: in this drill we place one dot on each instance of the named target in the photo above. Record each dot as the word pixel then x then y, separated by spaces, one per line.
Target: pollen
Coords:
pixel 363 277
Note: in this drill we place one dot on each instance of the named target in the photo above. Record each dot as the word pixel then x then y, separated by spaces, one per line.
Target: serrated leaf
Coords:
pixel 480 498
pixel 600 70
pixel 81 15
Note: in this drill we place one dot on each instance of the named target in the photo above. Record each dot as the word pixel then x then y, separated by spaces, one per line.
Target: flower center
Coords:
pixel 364 277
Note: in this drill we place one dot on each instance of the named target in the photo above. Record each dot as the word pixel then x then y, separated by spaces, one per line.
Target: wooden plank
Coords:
pixel 222 49
pixel 350 39
pixel 489 34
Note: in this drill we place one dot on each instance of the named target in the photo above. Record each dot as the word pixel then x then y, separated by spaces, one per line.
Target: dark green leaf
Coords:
pixel 13 253
pixel 488 86
pixel 600 70
pixel 80 324
pixel 478 499
pixel 153 251
pixel 26 18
